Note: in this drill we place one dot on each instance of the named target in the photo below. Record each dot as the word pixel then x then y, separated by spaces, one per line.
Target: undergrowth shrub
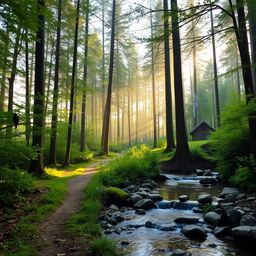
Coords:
pixel 103 247
pixel 14 185
pixel 245 174
pixel 137 163
pixel 231 141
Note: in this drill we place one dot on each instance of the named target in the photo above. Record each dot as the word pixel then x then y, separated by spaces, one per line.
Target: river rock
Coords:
pixel 167 227
pixel 183 198
pixel 145 204
pixel 140 211
pixel 228 190
pixel 208 181
pixel 113 207
pixel 131 188
pixel 212 218
pixel 245 233
pixel 147 185
pixel 208 172
pixel 160 178
pixel 179 252
pixel 248 220
pixel 204 199
pixel 134 198
pixel 222 231
pixel 198 210
pixel 155 197
pixel 233 216
pixel 199 172
pixel 194 232
pixel 150 224
pixel 187 220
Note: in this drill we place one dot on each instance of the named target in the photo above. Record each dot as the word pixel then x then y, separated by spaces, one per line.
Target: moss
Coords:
pixel 113 195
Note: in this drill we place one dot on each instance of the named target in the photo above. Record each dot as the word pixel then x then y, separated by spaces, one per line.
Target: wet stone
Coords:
pixel 167 227
pixel 140 211
pixel 183 198
pixel 124 243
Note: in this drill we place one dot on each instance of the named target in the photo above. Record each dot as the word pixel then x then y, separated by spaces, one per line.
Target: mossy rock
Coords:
pixel 113 195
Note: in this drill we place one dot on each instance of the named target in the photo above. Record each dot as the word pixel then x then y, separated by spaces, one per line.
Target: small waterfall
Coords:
pixel 176 205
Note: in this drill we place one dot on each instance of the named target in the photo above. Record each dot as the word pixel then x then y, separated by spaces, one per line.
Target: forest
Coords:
pixel 127 127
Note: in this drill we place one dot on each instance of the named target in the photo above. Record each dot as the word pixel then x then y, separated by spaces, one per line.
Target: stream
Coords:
pixel 137 240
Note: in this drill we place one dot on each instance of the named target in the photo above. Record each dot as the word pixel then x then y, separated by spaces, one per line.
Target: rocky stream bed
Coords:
pixel 174 215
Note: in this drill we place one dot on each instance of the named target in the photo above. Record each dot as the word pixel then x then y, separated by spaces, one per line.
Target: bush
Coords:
pixel 14 184
pixel 162 143
pixel 245 174
pixel 15 154
pixel 231 141
pixel 137 163
pixel 103 247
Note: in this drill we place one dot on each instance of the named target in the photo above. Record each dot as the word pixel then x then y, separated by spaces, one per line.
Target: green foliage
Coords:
pixel 113 195
pixel 115 147
pixel 245 174
pixel 197 152
pixel 14 185
pixel 161 143
pixel 15 154
pixel 231 140
pixel 137 163
pixel 103 247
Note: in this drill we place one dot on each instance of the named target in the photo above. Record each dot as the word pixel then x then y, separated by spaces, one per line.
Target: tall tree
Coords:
pixel 215 70
pixel 182 159
pixel 82 138
pixel 52 157
pixel 106 122
pixel 37 164
pixel 153 83
pixel 72 89
pixel 252 22
pixel 168 94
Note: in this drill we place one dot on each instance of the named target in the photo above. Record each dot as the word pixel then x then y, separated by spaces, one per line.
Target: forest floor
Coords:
pixel 53 238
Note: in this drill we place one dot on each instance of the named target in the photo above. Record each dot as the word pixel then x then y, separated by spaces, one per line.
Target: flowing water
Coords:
pixel 151 241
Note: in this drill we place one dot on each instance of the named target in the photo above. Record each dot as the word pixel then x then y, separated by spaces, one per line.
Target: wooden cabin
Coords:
pixel 201 131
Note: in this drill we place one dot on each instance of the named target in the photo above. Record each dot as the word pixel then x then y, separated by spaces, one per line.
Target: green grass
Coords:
pixel 22 237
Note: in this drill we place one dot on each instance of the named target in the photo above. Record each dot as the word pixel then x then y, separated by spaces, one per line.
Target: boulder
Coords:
pixel 208 181
pixel 145 204
pixel 248 220
pixel 183 198
pixel 113 207
pixel 228 190
pixel 208 172
pixel 244 233
pixel 155 197
pixel 212 218
pixel 167 227
pixel 116 196
pixel 194 232
pixel 233 216
pixel 204 199
pixel 179 252
pixel 187 220
pixel 147 185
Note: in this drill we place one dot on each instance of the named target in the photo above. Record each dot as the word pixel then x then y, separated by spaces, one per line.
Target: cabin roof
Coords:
pixel 201 123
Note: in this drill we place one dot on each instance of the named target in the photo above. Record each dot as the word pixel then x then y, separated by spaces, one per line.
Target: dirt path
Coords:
pixel 53 229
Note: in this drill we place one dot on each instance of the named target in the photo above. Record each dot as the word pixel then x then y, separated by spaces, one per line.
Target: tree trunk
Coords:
pixel 153 85
pixel 103 59
pixel 72 91
pixel 182 154
pixel 4 70
pixel 168 93
pixel 215 70
pixel 252 23
pixel 27 108
pixel 105 130
pixel 129 117
pixel 137 107
pixel 17 48
pixel 53 142
pixel 82 138
pixel 37 165
pixel 242 39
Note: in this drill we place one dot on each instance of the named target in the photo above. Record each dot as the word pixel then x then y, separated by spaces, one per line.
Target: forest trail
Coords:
pixel 52 231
